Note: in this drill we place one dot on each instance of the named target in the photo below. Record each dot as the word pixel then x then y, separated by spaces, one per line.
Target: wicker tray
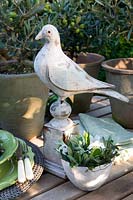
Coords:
pixel 17 189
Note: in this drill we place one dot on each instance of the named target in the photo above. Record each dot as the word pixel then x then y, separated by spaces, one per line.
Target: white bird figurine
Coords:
pixel 61 74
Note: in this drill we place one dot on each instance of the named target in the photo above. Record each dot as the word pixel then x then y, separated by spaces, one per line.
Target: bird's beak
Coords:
pixel 39 36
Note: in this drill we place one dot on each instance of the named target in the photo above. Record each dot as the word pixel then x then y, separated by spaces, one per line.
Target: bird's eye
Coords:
pixel 49 32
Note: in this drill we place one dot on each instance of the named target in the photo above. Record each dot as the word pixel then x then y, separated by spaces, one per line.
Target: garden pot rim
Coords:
pixel 101 58
pixel 21 75
pixel 16 75
pixel 109 68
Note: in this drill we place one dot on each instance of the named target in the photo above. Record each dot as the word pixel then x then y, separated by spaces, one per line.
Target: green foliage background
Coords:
pixel 101 26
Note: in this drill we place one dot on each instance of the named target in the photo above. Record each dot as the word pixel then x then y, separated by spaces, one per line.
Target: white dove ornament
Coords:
pixel 62 75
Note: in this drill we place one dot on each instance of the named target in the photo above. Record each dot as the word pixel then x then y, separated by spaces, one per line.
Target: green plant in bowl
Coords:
pixel 86 151
pixel 8 144
pixel 87 161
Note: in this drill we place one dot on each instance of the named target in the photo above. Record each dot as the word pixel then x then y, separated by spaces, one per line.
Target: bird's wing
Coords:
pixel 68 76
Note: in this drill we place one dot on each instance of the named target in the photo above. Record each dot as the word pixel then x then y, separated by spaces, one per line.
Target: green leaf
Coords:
pixel 72 159
pixel 129 33
pixel 87 138
pixel 95 152
pixel 70 152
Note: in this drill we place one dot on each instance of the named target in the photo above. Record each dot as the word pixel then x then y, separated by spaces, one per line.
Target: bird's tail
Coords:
pixel 111 93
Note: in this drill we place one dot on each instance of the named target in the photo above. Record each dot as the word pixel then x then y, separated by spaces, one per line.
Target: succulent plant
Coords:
pixel 81 150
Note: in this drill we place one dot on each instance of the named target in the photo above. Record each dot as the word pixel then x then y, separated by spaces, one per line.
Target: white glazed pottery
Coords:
pixel 86 179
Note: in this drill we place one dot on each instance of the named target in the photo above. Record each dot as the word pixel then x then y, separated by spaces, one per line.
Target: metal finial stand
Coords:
pixel 54 130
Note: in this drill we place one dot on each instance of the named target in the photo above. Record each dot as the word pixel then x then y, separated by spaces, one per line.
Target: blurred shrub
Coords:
pixel 19 20
pixel 115 32
pixel 101 26
pixel 75 22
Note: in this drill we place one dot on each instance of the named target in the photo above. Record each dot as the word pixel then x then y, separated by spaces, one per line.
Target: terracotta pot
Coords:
pixel 22 104
pixel 120 73
pixel 86 179
pixel 90 62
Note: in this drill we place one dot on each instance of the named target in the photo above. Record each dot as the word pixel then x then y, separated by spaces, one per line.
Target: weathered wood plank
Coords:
pixel 99 104
pixel 130 197
pixel 116 172
pixel 45 183
pixel 98 98
pixel 114 190
pixel 62 192
pixel 68 191
pixel 108 115
pixel 121 169
pixel 100 112
pixel 37 141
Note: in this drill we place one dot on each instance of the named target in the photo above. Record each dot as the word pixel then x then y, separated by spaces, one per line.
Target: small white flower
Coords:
pixel 95 142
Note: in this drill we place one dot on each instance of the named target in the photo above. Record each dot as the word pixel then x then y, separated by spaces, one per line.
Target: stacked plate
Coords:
pixel 9 185
pixel 8 159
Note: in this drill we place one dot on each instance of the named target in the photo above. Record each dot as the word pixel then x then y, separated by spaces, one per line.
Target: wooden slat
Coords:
pixel 100 112
pixel 99 104
pixel 37 141
pixel 45 183
pixel 108 115
pixel 114 190
pixel 104 112
pixel 68 191
pixel 62 192
pixel 98 98
pixel 130 197
pixel 121 169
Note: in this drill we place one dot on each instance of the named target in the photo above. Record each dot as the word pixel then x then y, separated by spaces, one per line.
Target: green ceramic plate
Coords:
pixel 9 143
pixel 8 170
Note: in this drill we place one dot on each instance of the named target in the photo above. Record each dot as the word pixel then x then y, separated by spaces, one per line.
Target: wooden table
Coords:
pixel 118 186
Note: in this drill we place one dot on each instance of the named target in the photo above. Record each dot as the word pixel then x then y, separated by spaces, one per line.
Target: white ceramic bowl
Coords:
pixel 86 179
